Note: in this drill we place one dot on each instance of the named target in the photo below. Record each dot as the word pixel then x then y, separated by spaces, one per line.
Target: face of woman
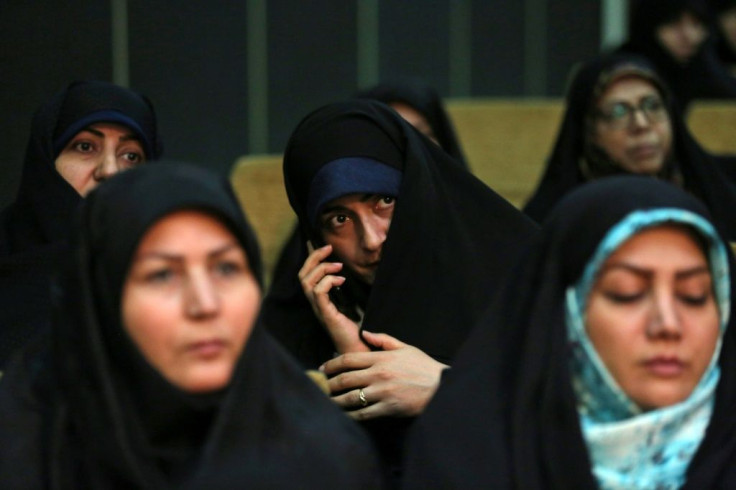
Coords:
pixel 727 21
pixel 190 300
pixel 652 316
pixel 356 225
pixel 416 119
pixel 683 36
pixel 632 126
pixel 97 152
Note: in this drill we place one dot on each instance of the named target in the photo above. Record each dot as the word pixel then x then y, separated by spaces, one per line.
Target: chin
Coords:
pixel 207 381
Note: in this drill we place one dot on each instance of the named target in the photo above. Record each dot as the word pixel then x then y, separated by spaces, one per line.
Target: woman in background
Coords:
pixel 608 362
pixel 674 35
pixel 159 375
pixel 619 119
pixel 83 135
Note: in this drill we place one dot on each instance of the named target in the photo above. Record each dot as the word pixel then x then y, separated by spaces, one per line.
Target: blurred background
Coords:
pixel 230 77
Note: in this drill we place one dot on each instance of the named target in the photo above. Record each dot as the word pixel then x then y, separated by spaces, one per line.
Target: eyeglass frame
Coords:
pixel 627 120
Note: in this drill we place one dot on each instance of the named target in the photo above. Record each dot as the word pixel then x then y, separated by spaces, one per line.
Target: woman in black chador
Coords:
pixel 159 374
pixel 609 360
pixel 619 120
pixel 80 137
pixel 420 106
pixel 408 249
pixel 675 36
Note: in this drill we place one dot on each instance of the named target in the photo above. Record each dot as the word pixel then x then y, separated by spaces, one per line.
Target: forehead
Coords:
pixel 347 201
pixel 661 247
pixel 630 88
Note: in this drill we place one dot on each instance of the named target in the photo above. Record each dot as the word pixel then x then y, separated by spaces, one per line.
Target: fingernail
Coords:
pixel 321 368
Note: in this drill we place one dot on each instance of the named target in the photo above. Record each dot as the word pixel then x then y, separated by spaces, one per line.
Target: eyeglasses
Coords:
pixel 621 114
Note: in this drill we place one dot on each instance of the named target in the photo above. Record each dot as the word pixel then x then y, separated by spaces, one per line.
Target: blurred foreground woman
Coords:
pixel 609 361
pixel 158 374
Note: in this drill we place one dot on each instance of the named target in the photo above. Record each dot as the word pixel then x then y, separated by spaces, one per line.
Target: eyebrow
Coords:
pixel 179 258
pixel 647 273
pixel 332 209
pixel 125 137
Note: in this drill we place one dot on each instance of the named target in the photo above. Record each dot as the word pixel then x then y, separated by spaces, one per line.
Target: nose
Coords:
pixel 106 167
pixel 664 321
pixel 639 119
pixel 201 299
pixel 373 234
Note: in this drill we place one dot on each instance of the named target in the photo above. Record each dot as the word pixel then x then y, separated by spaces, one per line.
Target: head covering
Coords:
pixel 116 422
pixel 697 170
pixel 34 228
pixel 506 415
pixel 703 76
pixel 426 101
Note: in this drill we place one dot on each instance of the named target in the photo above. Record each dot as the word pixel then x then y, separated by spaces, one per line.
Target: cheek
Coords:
pixel 610 142
pixel 245 303
pixel 76 173
pixel 151 323
pixel 613 331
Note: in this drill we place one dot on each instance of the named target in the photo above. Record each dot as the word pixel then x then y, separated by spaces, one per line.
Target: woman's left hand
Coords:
pixel 397 381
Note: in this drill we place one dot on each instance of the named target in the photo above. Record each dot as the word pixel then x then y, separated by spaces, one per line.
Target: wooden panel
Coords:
pixel 507 141
pixel 258 182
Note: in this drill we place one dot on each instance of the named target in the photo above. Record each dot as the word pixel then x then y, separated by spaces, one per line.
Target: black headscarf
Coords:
pixel 698 171
pixel 450 239
pixel 110 420
pixel 505 415
pixel 425 100
pixel 34 228
pixel 703 76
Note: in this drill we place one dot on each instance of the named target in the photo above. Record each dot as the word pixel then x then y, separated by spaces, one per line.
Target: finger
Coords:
pixel 324 286
pixel 379 409
pixel 312 277
pixel 352 399
pixel 314 259
pixel 350 361
pixel 383 341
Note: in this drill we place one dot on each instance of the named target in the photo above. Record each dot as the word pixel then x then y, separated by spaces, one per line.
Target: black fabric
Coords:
pixel 703 76
pixel 34 228
pixel 425 100
pixel 505 415
pixel 89 412
pixel 699 171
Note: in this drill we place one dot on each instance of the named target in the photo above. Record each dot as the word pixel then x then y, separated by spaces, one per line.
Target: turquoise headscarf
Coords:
pixel 630 448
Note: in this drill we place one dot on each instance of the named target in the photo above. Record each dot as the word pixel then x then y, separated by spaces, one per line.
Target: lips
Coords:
pixel 665 367
pixel 642 152
pixel 207 349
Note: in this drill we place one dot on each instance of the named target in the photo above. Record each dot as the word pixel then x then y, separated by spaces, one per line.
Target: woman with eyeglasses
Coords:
pixel 620 120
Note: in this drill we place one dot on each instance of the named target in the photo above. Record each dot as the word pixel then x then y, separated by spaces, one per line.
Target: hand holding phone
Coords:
pixel 319 283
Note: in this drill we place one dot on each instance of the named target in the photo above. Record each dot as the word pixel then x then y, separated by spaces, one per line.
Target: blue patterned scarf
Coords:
pixel 630 448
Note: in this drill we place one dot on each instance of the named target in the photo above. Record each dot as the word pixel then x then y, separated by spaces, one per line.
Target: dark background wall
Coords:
pixel 191 59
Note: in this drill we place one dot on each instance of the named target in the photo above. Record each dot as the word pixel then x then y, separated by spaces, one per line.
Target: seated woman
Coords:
pixel 674 35
pixel 619 119
pixel 79 138
pixel 158 375
pixel 608 361
pixel 420 106
pixel 407 244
